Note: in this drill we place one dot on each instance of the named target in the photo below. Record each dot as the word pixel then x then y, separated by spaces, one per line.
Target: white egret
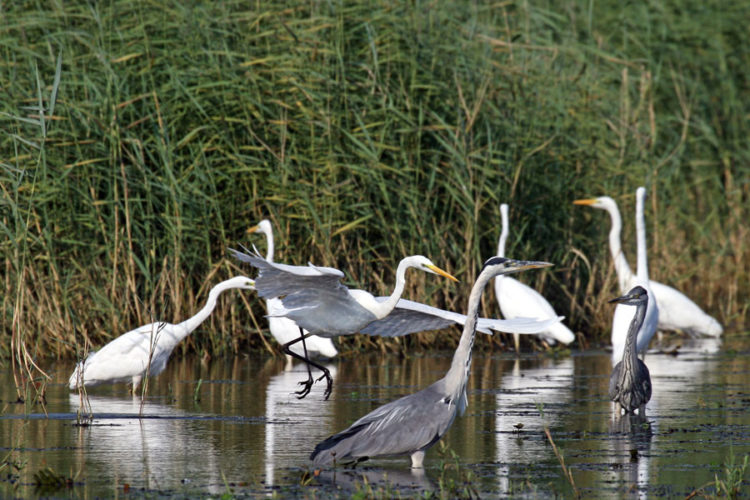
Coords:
pixel 630 382
pixel 623 315
pixel 316 300
pixel 519 300
pixel 284 330
pixel 676 311
pixel 145 349
pixel 412 424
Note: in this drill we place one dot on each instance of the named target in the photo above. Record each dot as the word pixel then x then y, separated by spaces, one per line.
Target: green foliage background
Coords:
pixel 140 139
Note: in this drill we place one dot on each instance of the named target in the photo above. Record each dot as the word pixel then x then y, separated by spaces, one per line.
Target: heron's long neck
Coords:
pixel 622 268
pixel 458 374
pixel 629 353
pixel 640 227
pixel 190 324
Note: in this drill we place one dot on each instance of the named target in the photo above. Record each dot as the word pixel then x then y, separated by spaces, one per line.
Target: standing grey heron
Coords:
pixel 412 424
pixel 147 348
pixel 517 299
pixel 676 310
pixel 284 330
pixel 630 382
pixel 314 298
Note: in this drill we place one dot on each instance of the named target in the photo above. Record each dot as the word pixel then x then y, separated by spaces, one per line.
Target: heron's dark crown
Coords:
pixel 494 261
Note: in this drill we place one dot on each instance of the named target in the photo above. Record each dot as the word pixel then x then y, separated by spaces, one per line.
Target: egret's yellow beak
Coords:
pixel 587 201
pixel 253 229
pixel 442 273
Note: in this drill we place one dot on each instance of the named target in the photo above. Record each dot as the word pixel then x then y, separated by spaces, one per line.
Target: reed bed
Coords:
pixel 141 139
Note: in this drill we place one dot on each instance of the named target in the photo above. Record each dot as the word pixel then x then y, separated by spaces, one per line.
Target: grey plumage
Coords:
pixel 316 300
pixel 630 382
pixel 410 425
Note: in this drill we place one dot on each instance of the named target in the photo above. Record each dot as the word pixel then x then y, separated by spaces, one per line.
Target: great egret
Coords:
pixel 412 424
pixel 676 311
pixel 630 382
pixel 284 330
pixel 126 358
pixel 519 300
pixel 623 315
pixel 316 300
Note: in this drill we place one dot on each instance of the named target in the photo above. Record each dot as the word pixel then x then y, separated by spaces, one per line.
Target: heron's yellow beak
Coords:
pixel 442 273
pixel 587 201
pixel 534 265
pixel 253 229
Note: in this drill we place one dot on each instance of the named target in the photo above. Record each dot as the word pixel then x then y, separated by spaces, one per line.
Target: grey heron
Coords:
pixel 284 330
pixel 412 424
pixel 519 300
pixel 314 298
pixel 676 311
pixel 630 382
pixel 147 348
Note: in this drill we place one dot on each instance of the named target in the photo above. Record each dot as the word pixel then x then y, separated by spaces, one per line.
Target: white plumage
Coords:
pixel 676 311
pixel 518 300
pixel 126 358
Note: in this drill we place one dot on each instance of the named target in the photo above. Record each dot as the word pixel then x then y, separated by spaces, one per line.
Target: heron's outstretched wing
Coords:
pixel 310 295
pixel 400 427
pixel 411 317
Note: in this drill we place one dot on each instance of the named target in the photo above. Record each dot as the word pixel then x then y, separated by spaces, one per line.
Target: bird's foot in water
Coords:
pixel 306 389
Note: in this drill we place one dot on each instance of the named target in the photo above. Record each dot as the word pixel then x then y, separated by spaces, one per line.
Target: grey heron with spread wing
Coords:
pixel 412 424
pixel 317 301
pixel 630 382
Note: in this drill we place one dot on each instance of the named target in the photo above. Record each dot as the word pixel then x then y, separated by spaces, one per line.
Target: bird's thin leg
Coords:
pixel 310 381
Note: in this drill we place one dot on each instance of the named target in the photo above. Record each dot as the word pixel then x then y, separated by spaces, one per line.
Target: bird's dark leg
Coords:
pixel 310 381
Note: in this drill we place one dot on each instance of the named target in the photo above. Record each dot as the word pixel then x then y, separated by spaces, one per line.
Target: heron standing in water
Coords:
pixel 630 382
pixel 412 424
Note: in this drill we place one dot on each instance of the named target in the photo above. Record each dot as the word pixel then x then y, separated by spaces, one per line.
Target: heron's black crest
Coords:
pixel 493 261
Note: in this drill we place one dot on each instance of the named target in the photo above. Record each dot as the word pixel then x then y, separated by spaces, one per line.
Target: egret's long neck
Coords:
pixel 503 236
pixel 629 353
pixel 622 268
pixel 640 228
pixel 383 309
pixel 190 324
pixel 269 242
pixel 458 374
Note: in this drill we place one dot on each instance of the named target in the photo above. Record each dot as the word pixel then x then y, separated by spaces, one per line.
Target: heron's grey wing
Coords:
pixel 614 379
pixel 404 426
pixel 412 317
pixel 644 378
pixel 276 280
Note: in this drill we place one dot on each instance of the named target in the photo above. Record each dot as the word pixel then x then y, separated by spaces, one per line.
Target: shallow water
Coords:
pixel 235 425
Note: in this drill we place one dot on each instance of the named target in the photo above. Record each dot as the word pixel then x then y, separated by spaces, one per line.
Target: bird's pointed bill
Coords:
pixel 253 229
pixel 521 265
pixel 587 201
pixel 442 273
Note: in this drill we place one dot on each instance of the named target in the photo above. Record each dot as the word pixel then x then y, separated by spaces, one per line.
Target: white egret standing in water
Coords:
pixel 284 330
pixel 145 349
pixel 623 316
pixel 676 311
pixel 412 424
pixel 519 300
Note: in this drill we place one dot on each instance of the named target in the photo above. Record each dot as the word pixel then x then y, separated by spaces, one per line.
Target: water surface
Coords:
pixel 235 425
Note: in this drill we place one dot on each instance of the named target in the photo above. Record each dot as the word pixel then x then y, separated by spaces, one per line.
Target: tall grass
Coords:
pixel 365 131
